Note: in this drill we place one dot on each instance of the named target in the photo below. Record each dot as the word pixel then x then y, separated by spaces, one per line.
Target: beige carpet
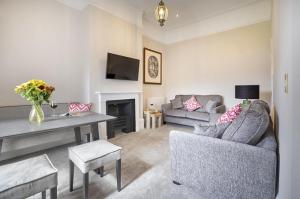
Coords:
pixel 145 169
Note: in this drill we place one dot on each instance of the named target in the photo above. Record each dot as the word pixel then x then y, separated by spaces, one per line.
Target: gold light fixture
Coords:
pixel 161 13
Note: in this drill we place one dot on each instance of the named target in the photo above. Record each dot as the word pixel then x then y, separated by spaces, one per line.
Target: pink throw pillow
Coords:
pixel 192 104
pixel 79 107
pixel 230 115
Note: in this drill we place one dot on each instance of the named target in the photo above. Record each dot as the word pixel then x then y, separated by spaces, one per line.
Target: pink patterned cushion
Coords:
pixel 230 115
pixel 192 104
pixel 79 107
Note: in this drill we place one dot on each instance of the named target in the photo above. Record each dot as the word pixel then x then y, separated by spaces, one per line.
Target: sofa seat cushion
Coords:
pixel 176 113
pixel 198 116
pixel 27 177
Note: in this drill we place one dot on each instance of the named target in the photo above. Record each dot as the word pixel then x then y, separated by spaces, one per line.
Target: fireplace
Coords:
pixel 104 96
pixel 124 111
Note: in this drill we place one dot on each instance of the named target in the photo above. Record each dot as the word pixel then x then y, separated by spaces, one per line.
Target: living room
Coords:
pixel 188 68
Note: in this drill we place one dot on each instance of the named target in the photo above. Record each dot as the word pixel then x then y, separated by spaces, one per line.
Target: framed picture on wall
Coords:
pixel 152 67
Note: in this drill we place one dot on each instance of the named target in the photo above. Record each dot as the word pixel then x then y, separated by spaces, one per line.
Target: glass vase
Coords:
pixel 36 114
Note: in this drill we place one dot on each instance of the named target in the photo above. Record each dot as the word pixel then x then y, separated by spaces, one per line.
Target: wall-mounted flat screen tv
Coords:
pixel 121 67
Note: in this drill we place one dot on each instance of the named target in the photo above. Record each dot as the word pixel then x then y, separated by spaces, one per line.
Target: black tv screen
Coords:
pixel 120 67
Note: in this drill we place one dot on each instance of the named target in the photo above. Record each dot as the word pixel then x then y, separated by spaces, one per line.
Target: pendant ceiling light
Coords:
pixel 161 13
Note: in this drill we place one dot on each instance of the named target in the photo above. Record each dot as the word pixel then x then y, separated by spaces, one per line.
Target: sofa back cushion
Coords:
pixel 215 131
pixel 249 126
pixel 176 103
pixel 210 105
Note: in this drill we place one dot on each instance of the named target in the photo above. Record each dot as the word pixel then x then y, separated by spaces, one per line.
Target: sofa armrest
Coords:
pixel 166 107
pixel 222 169
pixel 219 109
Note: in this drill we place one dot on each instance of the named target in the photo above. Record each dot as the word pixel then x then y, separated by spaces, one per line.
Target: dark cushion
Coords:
pixel 176 113
pixel 210 105
pixel 198 116
pixel 176 103
pixel 215 131
pixel 249 126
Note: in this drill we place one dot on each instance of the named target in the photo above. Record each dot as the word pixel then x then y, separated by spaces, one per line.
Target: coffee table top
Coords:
pixel 148 111
pixel 156 114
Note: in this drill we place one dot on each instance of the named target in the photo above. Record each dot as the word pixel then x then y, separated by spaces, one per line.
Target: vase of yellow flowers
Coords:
pixel 36 92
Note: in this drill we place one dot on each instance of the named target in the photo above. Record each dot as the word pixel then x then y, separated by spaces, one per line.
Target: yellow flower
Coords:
pixel 35 90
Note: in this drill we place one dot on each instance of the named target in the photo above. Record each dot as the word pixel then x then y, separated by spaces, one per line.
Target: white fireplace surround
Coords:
pixel 121 95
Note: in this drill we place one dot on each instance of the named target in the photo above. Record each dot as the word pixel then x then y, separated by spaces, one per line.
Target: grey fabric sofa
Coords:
pixel 216 168
pixel 200 116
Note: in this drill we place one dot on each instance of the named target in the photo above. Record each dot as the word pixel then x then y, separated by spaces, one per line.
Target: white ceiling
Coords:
pixel 197 17
pixel 190 11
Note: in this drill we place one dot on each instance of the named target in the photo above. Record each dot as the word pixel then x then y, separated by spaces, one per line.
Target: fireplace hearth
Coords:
pixel 124 111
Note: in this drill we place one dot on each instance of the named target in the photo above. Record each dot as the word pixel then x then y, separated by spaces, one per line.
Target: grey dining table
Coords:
pixel 11 128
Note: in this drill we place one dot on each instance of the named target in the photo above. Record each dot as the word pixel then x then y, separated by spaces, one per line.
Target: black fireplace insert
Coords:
pixel 124 111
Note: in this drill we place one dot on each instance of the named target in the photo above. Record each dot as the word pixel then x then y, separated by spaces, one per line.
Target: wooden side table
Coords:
pixel 150 117
pixel 155 116
pixel 147 118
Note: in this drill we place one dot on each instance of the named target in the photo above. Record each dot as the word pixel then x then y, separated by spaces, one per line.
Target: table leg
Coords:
pixel 71 175
pixel 1 141
pixel 95 131
pixel 53 193
pixel 101 171
pixel 153 120
pixel 118 172
pixel 86 185
pixel 159 121
pixel 77 135
pixel 95 135
pixel 147 121
pixel 44 194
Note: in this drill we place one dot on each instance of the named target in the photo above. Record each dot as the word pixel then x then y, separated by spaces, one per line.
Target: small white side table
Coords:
pixel 151 117
pixel 154 116
pixel 147 118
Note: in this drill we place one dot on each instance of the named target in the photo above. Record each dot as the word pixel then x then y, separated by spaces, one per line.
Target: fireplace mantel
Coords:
pixel 104 96
pixel 116 92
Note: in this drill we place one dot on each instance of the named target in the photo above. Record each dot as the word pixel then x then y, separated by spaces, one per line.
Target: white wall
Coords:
pixel 156 92
pixel 40 39
pixel 286 31
pixel 108 33
pixel 295 88
pixel 64 46
pixel 214 64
